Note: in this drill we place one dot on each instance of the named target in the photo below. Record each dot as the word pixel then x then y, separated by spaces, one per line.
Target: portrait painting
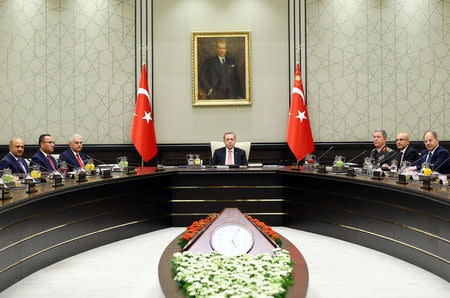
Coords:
pixel 221 68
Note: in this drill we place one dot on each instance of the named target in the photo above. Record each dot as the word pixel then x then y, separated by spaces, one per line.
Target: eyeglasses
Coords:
pixel 49 142
pixel 401 140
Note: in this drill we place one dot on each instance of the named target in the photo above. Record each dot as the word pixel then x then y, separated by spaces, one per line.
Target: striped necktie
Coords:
pixel 21 166
pixel 51 163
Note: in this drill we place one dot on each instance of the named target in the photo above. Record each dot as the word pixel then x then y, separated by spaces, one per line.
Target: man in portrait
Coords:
pixel 219 76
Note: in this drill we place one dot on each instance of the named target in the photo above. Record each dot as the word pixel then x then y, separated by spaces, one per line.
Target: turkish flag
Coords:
pixel 143 131
pixel 298 135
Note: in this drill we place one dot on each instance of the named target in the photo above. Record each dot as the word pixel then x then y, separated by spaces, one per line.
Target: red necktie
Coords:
pixel 50 161
pixel 80 161
pixel 229 158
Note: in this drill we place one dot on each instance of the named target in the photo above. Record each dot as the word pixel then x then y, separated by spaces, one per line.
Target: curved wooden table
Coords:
pixel 404 221
pixel 171 290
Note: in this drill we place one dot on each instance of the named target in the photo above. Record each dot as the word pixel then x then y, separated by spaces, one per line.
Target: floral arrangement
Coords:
pixel 214 274
pixel 194 228
pixel 266 229
pixel 197 226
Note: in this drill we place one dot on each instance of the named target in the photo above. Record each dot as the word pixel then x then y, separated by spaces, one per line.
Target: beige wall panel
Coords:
pixel 68 66
pixel 387 64
pixel 176 121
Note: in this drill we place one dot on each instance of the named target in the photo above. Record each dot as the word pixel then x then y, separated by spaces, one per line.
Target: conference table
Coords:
pixel 41 228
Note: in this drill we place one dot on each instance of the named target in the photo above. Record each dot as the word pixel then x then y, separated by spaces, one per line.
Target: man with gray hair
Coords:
pixel 73 156
pixel 382 154
pixel 219 76
pixel 435 155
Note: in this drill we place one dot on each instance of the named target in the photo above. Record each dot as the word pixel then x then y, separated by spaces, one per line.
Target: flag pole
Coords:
pixel 297 51
pixel 144 53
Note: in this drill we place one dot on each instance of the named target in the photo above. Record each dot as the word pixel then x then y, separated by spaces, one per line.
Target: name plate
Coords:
pixel 6 194
pixel 81 176
pixel 426 183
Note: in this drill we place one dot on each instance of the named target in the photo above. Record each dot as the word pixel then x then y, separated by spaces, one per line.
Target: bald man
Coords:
pixel 406 152
pixel 13 160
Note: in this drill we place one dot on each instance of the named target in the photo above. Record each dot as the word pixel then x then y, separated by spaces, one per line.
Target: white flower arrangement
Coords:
pixel 216 275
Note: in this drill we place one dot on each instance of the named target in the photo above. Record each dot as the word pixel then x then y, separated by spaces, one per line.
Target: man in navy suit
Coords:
pixel 406 152
pixel 73 156
pixel 43 156
pixel 435 154
pixel 13 160
pixel 219 77
pixel 229 155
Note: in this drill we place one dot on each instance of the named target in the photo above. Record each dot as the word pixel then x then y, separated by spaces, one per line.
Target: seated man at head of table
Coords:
pixel 13 160
pixel 43 156
pixel 382 154
pixel 229 155
pixel 73 156
pixel 406 152
pixel 434 154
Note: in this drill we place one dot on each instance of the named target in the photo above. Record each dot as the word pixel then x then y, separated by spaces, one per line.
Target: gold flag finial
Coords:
pixel 144 52
pixel 298 47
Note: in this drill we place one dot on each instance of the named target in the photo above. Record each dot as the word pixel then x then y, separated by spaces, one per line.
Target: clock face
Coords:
pixel 232 239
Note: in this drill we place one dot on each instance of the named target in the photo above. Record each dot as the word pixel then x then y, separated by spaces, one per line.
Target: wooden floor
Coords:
pixel 129 268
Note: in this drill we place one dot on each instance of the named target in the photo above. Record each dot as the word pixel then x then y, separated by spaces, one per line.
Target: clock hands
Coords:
pixel 232 239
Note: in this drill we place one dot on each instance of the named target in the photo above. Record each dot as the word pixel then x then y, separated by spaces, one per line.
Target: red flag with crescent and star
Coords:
pixel 298 135
pixel 143 130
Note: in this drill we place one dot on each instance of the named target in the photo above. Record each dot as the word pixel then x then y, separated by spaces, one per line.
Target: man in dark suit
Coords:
pixel 13 160
pixel 406 152
pixel 73 156
pixel 219 77
pixel 229 155
pixel 435 155
pixel 43 156
pixel 382 154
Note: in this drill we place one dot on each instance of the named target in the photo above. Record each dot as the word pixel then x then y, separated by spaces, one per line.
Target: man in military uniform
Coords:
pixel 382 154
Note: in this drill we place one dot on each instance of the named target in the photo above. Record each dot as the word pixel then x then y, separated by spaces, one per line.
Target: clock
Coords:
pixel 232 239
pixel 231 233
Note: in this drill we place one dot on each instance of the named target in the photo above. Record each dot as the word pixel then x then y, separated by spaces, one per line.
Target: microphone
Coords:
pixel 101 162
pixel 416 160
pixel 52 174
pixel 442 163
pixel 47 169
pixel 325 153
pixel 73 166
pixel 356 156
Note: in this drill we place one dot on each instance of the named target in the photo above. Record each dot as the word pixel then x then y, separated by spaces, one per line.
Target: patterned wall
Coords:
pixel 378 64
pixel 67 66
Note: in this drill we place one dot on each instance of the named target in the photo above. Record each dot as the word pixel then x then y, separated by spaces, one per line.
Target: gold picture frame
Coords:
pixel 217 81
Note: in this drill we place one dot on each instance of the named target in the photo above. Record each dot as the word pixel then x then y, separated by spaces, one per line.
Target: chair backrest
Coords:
pixel 241 145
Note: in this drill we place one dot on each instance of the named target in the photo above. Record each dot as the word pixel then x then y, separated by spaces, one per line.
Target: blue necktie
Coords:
pixel 21 165
pixel 429 157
